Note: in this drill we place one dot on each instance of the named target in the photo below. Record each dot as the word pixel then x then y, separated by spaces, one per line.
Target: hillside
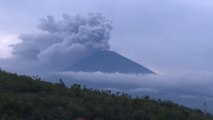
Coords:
pixel 26 98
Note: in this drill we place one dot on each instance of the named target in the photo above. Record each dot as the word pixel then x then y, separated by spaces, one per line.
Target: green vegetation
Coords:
pixel 26 98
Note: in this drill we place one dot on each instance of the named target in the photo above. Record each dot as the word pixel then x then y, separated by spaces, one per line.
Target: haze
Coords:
pixel 172 38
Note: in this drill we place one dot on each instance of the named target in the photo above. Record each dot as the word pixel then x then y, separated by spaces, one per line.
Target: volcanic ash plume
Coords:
pixel 65 42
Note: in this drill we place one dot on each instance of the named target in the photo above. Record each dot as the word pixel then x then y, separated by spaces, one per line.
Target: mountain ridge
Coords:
pixel 108 61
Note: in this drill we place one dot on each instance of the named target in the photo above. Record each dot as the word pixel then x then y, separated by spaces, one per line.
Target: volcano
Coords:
pixel 108 62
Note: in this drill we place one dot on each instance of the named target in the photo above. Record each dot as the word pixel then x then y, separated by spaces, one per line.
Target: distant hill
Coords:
pixel 108 62
pixel 30 98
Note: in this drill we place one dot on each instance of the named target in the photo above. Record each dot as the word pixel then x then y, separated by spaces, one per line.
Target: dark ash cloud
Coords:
pixel 62 43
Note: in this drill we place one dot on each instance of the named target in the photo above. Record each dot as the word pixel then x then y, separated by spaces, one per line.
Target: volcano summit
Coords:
pixel 107 61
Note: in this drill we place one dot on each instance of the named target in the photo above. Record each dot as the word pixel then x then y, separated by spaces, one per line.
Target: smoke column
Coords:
pixel 62 43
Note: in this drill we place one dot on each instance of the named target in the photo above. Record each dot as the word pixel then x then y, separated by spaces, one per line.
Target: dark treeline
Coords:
pixel 30 98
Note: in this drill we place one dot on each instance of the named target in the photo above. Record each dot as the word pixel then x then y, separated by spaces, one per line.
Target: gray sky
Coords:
pixel 166 36
pixel 172 37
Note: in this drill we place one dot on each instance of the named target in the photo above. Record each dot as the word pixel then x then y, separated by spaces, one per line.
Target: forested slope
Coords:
pixel 30 98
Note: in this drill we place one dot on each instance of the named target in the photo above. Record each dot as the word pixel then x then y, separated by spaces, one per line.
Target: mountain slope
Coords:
pixel 108 62
pixel 26 98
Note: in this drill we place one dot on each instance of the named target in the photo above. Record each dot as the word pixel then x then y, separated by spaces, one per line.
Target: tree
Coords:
pixel 61 83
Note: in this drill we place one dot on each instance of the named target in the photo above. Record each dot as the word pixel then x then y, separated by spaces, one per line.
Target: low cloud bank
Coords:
pixel 185 85
pixel 200 83
pixel 190 89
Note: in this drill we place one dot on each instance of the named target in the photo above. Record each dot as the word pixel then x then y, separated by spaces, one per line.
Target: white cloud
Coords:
pixel 190 89
pixel 186 83
pixel 190 96
pixel 142 90
pixel 5 42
